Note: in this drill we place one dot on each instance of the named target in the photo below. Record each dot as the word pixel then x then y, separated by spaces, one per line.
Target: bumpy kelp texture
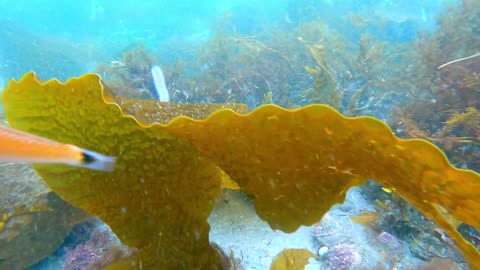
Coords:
pixel 162 190
pixel 294 163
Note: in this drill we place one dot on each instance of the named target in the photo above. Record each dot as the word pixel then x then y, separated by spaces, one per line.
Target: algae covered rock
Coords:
pixel 33 220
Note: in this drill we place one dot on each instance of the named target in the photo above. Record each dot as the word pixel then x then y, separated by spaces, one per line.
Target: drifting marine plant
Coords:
pixel 168 175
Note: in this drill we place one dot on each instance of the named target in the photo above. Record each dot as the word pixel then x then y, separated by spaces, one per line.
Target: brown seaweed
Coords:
pixel 294 163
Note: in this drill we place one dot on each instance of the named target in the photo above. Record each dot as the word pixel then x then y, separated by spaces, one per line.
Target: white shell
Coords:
pixel 322 251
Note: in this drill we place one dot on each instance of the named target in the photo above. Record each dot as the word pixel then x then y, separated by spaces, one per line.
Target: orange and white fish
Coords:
pixel 19 146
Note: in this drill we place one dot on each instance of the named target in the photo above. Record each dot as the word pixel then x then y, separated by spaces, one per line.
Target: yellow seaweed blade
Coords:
pixel 160 195
pixel 291 259
pixel 295 163
pixel 364 218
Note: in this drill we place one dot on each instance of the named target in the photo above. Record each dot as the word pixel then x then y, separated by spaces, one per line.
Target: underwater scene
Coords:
pixel 240 134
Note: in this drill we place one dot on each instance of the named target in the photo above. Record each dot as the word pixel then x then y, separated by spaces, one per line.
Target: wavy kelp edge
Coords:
pixel 445 213
pixel 437 211
pixel 149 200
pixel 438 196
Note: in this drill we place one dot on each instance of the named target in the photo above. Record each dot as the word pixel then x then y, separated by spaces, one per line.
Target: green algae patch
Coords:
pixel 295 164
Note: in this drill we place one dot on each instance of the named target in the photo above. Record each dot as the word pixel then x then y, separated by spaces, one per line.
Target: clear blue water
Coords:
pixel 94 31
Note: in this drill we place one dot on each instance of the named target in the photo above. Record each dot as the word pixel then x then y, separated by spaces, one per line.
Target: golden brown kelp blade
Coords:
pixel 162 190
pixel 295 164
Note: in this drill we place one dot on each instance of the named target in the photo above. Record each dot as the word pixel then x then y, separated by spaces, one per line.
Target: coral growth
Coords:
pixel 390 241
pixel 343 256
pixel 100 250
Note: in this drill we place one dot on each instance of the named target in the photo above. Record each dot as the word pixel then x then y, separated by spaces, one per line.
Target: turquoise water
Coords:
pixel 86 33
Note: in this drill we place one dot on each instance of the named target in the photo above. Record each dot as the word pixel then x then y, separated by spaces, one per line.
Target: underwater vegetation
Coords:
pixel 295 164
pixel 429 91
pixel 304 64
pixel 131 75
pixel 416 94
pixel 445 94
